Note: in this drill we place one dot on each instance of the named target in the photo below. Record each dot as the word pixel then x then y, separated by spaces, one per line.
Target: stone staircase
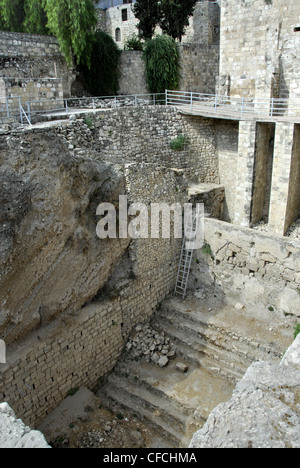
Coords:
pixel 215 347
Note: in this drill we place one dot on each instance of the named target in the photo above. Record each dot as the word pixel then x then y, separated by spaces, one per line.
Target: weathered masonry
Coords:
pixel 268 175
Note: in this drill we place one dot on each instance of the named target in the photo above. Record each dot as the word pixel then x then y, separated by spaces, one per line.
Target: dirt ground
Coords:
pixel 81 421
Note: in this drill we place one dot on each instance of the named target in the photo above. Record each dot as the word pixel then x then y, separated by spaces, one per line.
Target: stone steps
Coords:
pixel 162 414
pixel 227 328
pixel 176 404
pixel 215 348
pixel 197 350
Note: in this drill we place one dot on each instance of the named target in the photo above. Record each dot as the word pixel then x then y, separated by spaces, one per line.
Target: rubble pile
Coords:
pixel 150 345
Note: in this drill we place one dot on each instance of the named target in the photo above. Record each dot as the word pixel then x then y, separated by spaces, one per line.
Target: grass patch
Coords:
pixel 73 391
pixel 178 144
pixel 297 330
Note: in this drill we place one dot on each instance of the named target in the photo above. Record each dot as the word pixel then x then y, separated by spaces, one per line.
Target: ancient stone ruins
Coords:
pixel 96 349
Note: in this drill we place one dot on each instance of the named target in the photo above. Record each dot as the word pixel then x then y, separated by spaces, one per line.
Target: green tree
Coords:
pixel 13 14
pixel 102 79
pixel 3 26
pixel 174 16
pixel 73 23
pixel 36 17
pixel 148 14
pixel 162 61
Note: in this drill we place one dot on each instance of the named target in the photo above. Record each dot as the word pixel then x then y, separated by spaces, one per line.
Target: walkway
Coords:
pixel 233 108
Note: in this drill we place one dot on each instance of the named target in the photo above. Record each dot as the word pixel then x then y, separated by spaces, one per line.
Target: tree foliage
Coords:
pixel 36 17
pixel 13 14
pixel 171 15
pixel 175 16
pixel 148 14
pixel 73 23
pixel 162 61
pixel 102 79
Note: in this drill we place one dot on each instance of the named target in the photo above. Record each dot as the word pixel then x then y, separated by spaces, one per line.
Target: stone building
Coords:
pixel 117 17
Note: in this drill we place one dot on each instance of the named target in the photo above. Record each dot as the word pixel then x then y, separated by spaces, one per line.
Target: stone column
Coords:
pixel 283 151
pixel 245 171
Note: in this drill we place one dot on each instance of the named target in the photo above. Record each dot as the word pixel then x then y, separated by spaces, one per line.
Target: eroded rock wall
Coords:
pixel 264 411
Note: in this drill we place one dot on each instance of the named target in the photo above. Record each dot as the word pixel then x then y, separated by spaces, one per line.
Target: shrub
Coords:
pixel 134 43
pixel 162 63
pixel 102 79
pixel 178 143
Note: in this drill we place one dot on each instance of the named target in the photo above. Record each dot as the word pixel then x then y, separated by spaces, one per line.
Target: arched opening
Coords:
pixel 118 35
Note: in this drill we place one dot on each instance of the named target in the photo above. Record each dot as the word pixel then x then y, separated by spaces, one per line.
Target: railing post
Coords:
pixel 242 109
pixel 191 100
pixel 20 109
pixel 29 112
pixel 216 103
pixel 115 102
pixel 93 103
pixel 272 107
pixel 67 110
pixel 7 107
pixel 166 93
pixel 154 99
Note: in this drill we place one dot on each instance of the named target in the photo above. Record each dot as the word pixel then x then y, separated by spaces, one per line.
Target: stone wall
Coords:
pixel 263 411
pixel 36 89
pixel 132 80
pixel 258 47
pixel 256 269
pixel 78 296
pixel 25 57
pixel 144 134
pixel 199 69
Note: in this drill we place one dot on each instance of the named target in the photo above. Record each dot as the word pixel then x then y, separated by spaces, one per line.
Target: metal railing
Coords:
pixel 92 103
pixel 34 110
pixel 11 109
pixel 199 103
pixel 232 106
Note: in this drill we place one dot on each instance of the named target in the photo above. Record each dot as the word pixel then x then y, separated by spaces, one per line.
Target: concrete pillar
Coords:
pixel 245 172
pixel 263 172
pixel 282 170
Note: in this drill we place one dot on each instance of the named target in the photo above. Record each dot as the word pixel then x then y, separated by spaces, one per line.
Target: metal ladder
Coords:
pixel 185 261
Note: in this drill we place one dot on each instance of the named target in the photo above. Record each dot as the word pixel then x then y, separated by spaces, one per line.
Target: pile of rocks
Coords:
pixel 146 343
pixel 118 101
pixel 294 230
pixel 261 226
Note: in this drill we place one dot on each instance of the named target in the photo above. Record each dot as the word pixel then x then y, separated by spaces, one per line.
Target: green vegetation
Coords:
pixel 36 18
pixel 178 144
pixel 73 391
pixel 297 330
pixel 162 63
pixel 171 15
pixel 134 43
pixel 148 14
pixel 72 22
pixel 206 250
pixel 102 79
pixel 89 123
pixel 175 16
